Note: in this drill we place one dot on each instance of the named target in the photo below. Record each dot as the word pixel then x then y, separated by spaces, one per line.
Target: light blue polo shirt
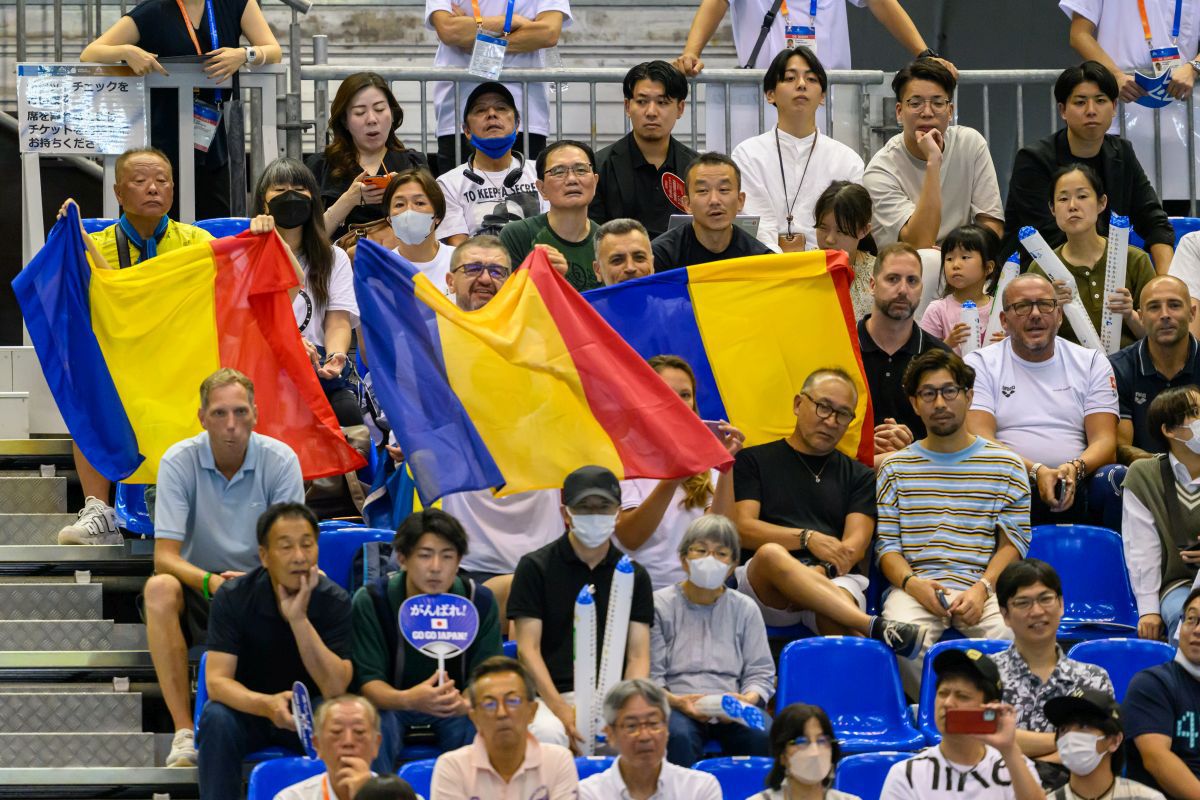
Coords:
pixel 215 518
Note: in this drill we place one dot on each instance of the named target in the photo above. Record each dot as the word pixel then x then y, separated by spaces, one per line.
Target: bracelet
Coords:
pixel 1080 468
pixel 207 593
pixel 805 535
pixel 1033 471
pixel 907 578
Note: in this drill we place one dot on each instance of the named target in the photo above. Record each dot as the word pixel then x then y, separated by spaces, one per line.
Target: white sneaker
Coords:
pixel 183 749
pixel 97 524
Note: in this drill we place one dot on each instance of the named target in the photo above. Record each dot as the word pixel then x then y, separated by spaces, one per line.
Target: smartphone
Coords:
pixel 970 720
pixel 1191 548
pixel 941 596
pixel 1060 490
pixel 378 181
pixel 714 425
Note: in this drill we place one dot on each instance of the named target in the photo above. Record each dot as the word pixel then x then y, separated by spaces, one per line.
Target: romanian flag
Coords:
pixel 519 393
pixel 124 351
pixel 752 329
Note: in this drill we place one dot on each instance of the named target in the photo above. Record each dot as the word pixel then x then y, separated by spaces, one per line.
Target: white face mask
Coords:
pixel 1077 750
pixel 593 530
pixel 412 227
pixel 708 572
pixel 810 765
pixel 1193 443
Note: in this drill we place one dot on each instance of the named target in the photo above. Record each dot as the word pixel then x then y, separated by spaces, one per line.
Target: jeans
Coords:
pixel 227 737
pixel 452 733
pixel 1171 610
pixel 687 737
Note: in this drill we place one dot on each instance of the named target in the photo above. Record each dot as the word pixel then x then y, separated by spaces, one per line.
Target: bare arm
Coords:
pixel 1101 431
pixel 1126 452
pixel 541 32
pixel 990 222
pixel 168 561
pixel 1173 776
pixel 529 651
pixel 1083 41
pixel 330 671
pixel 723 502
pixel 1035 744
pixel 755 533
pixel 119 43
pixel 899 24
pixel 258 33
pixel 1162 255
pixel 635 526
pixel 708 17
pixel 922 227
pixel 337 330
pixel 637 651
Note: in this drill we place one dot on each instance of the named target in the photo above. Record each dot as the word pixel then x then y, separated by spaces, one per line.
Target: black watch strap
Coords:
pixel 928 52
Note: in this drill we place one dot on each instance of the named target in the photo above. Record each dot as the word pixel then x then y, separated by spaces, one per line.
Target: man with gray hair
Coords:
pixel 709 641
pixel 635 716
pixel 622 251
pixel 346 735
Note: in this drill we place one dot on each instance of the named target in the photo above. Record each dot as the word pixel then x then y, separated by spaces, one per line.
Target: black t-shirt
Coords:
pixel 784 483
pixel 1163 699
pixel 1139 382
pixel 334 187
pixel 885 375
pixel 545 586
pixel 245 622
pixel 630 186
pixel 679 247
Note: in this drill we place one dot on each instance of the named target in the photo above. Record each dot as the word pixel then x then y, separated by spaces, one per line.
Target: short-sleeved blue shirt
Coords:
pixel 1138 383
pixel 1163 699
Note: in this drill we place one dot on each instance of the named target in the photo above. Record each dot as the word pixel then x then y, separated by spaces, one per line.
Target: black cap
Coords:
pixel 1082 705
pixel 973 661
pixel 590 481
pixel 491 87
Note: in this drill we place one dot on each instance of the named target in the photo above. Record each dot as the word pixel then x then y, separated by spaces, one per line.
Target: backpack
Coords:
pixel 372 561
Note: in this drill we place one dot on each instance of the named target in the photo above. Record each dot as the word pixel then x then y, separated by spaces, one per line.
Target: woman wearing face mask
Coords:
pixel 709 641
pixel 326 311
pixel 1158 528
pixel 805 752
pixel 1088 736
pixel 654 514
pixel 416 206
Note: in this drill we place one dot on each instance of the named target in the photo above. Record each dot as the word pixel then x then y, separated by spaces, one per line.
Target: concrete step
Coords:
pixel 70 712
pixel 19 529
pixel 65 635
pixel 33 495
pixel 133 557
pixel 51 601
pixel 139 782
pixel 41 750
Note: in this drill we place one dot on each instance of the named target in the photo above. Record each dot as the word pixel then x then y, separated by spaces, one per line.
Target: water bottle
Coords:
pixel 970 317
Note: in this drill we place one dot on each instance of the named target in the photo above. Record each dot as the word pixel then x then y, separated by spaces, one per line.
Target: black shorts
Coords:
pixel 194 619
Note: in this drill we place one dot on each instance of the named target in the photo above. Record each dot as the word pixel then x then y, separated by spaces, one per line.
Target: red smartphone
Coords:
pixel 970 720
pixel 378 181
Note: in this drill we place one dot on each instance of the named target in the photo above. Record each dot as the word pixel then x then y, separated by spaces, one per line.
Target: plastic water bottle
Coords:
pixel 970 317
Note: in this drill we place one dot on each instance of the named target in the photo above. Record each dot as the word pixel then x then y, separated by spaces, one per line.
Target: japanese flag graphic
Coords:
pixel 438 624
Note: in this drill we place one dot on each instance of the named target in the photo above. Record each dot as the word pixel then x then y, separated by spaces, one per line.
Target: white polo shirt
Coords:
pixel 674 783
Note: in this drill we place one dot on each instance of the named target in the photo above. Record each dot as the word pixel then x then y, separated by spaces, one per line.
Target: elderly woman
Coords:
pixel 706 640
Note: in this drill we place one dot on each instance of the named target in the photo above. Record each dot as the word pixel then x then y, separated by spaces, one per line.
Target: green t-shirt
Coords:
pixel 521 235
pixel 373 661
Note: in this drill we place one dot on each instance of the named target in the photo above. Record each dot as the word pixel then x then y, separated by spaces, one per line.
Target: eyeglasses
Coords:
pixel 918 103
pixel 825 411
pixel 930 394
pixel 512 702
pixel 1191 621
pixel 474 270
pixel 1045 600
pixel 805 742
pixel 1022 308
pixel 700 551
pixel 578 170
pixel 633 727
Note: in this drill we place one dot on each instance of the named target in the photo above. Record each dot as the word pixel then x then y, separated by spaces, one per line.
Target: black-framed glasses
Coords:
pixel 633 727
pixel 825 411
pixel 497 272
pixel 929 394
pixel 1022 308
pixel 580 170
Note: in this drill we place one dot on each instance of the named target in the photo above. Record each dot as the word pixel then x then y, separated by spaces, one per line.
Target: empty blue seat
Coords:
pixel 587 766
pixel 336 550
pixel 266 754
pixel 1098 599
pixel 419 775
pixel 224 226
pixel 740 776
pixel 271 777
pixel 510 647
pixel 925 720
pixel 857 682
pixel 1122 658
pixel 97 224
pixel 1183 226
pixel 130 506
pixel 862 775
pixel 337 524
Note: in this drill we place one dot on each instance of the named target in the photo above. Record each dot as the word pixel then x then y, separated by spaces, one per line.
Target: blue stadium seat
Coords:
pixel 1122 658
pixel 587 766
pixel 863 775
pixel 224 226
pixel 270 777
pixel 130 505
pixel 829 671
pixel 740 776
pixel 336 550
pixel 510 647
pixel 1096 592
pixel 789 633
pixel 925 719
pixel 328 525
pixel 96 224
pixel 419 775
pixel 1183 226
pixel 266 754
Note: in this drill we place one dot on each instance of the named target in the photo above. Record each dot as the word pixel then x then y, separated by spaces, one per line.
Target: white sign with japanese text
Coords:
pixel 80 109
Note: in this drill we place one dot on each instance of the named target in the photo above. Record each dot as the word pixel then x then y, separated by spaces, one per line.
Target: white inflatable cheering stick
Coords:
pixel 590 692
pixel 1046 258
pixel 1114 279
pixel 1011 269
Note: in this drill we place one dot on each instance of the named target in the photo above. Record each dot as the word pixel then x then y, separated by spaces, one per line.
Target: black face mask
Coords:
pixel 290 209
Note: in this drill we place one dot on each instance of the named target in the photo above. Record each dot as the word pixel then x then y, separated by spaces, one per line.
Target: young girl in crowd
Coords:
pixel 843 220
pixel 969 272
pixel 1077 200
pixel 326 311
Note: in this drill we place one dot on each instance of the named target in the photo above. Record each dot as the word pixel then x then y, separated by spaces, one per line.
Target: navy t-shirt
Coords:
pixel 1163 699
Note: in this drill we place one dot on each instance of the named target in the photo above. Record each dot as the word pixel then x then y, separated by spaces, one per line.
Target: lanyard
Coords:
pixel 212 29
pixel 783 179
pixel 325 786
pixel 508 15
pixel 812 9
pixel 1175 22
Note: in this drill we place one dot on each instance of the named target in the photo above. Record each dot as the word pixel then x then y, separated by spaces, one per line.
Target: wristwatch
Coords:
pixel 987 585
pixel 928 52
pixel 251 55
pixel 1195 65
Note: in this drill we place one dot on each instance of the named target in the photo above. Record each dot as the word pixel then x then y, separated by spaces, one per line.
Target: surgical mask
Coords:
pixel 593 530
pixel 290 209
pixel 1077 750
pixel 412 227
pixel 1193 443
pixel 496 146
pixel 809 766
pixel 707 572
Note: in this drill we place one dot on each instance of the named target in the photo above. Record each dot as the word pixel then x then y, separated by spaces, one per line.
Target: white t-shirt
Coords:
pixel 764 186
pixel 472 206
pixel 1186 263
pixel 538 120
pixel 502 529
pixel 929 775
pixel 310 318
pixel 894 178
pixel 1040 407
pixel 437 269
pixel 674 783
pixel 1119 32
pixel 313 788
pixel 659 556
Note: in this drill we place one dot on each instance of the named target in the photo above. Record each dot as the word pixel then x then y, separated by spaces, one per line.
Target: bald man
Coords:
pixel 1168 356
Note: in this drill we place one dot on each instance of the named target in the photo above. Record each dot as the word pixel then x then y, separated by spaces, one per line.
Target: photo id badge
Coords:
pixel 1164 60
pixel 487 59
pixel 801 34
pixel 205 119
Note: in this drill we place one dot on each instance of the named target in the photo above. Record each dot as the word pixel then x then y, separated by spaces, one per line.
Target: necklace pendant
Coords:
pixel 817 478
